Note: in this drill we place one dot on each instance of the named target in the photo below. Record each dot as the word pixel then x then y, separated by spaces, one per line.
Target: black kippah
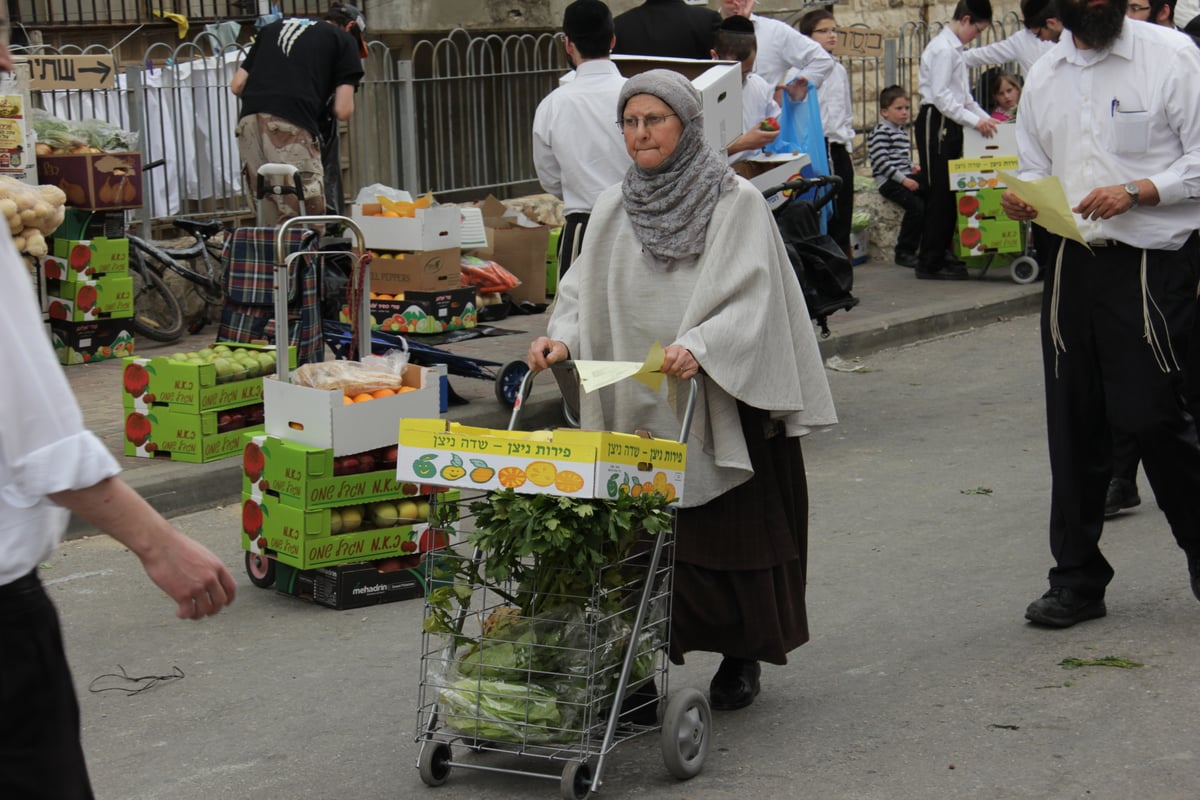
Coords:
pixel 737 24
pixel 584 17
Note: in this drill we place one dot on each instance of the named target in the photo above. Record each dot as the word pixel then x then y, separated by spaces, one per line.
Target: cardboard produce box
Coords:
pixel 351 585
pixel 426 312
pixel 979 173
pixel 188 386
pixel 425 271
pixel 313 477
pixel 320 418
pixel 434 228
pixel 161 432
pixel 85 342
pixel 95 181
pixel 564 462
pixel 305 538
pixel 719 84
pixel 519 246
pixel 996 235
pixel 109 297
pixel 87 259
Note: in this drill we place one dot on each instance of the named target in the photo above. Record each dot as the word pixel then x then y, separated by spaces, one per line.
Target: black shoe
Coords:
pixel 1122 494
pixel 1062 607
pixel 952 260
pixel 735 685
pixel 1194 571
pixel 943 273
pixel 909 260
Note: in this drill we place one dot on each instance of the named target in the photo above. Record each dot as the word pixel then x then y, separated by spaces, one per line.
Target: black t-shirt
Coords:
pixel 669 28
pixel 294 66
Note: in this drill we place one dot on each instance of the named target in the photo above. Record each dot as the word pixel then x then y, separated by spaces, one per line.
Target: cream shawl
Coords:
pixel 737 307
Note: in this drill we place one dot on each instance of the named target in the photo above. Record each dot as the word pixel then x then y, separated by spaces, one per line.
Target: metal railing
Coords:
pixel 61 14
pixel 455 119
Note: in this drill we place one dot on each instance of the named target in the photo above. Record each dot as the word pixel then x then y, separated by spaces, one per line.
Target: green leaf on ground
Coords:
pixel 1106 661
pixel 977 490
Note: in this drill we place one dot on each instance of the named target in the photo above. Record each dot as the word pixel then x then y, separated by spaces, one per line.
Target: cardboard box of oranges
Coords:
pixel 563 462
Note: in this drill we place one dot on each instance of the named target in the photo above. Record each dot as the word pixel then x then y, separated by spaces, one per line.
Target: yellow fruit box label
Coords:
pixel 566 461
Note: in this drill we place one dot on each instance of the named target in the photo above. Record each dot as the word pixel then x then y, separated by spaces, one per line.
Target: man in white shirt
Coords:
pixel 51 465
pixel 1111 112
pixel 781 48
pixel 1026 45
pixel 578 150
pixel 947 107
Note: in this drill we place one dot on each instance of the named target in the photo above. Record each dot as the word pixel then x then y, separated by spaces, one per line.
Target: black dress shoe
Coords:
pixel 1122 494
pixel 943 273
pixel 1062 607
pixel 952 260
pixel 909 260
pixel 735 685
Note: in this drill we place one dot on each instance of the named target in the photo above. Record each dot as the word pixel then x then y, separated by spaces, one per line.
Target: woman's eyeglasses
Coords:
pixel 650 121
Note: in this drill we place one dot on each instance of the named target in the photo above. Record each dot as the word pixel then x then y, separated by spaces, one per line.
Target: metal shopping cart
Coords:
pixel 541 661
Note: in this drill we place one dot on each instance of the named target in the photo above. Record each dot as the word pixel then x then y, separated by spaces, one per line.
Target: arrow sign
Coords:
pixel 72 72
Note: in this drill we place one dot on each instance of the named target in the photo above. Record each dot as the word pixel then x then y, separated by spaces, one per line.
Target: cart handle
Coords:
pixel 527 386
pixel 283 260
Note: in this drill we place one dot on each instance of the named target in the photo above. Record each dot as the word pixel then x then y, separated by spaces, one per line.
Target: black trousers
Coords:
pixel 1105 375
pixel 912 225
pixel 571 241
pixel 938 141
pixel 41 757
pixel 842 165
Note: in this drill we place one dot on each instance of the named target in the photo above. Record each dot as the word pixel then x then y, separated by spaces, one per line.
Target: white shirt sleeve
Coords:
pixel 945 80
pixel 549 171
pixel 1181 181
pixel 44 446
pixel 809 57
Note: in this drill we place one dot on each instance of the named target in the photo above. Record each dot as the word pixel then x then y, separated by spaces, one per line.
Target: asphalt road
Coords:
pixel 922 681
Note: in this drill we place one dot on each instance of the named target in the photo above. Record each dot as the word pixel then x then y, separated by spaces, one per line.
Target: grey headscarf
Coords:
pixel 670 206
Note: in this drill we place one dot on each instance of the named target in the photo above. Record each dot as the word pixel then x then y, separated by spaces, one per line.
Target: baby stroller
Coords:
pixel 824 271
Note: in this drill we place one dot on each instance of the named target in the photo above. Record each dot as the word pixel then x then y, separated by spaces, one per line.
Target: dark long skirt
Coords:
pixel 741 559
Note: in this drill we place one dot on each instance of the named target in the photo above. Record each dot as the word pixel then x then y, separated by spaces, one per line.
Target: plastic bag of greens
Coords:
pixel 502 711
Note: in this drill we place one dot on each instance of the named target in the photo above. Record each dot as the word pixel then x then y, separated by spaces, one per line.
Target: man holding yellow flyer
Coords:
pixel 1111 112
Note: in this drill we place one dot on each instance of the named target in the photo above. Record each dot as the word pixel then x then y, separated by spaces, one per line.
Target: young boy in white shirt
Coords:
pixel 735 41
pixel 837 121
pixel 947 106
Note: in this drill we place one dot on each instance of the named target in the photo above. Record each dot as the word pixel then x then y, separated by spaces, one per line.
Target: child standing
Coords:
pixel 946 106
pixel 837 121
pixel 891 163
pixel 735 41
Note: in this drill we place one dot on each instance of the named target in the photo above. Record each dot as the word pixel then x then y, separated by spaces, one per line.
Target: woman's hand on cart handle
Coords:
pixel 546 351
pixel 679 362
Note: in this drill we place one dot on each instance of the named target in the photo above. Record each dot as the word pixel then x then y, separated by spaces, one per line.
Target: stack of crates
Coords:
pixel 195 409
pixel 89 290
pixel 320 500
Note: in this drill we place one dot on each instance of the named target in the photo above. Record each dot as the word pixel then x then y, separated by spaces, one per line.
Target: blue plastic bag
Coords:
pixel 800 131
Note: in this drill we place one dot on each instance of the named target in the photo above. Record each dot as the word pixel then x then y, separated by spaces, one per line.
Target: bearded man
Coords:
pixel 1111 111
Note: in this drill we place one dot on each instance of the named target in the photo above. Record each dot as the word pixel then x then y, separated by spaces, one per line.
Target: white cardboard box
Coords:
pixel 1004 143
pixel 431 229
pixel 320 418
pixel 786 167
pixel 719 84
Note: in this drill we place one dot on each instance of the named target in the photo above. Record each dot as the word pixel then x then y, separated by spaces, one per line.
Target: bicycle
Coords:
pixel 157 312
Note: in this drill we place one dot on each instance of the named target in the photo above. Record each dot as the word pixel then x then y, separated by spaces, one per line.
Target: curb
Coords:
pixel 175 489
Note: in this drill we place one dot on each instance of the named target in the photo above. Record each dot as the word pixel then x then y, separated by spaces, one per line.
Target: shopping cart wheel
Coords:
pixel 1024 270
pixel 260 569
pixel 508 382
pixel 434 763
pixel 576 783
pixel 685 728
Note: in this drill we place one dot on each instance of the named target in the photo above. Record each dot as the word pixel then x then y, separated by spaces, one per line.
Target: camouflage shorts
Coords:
pixel 267 139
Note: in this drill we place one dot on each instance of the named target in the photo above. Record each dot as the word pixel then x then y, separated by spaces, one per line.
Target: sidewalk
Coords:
pixel 895 309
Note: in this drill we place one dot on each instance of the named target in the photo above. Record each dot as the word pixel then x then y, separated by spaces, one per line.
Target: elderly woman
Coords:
pixel 686 253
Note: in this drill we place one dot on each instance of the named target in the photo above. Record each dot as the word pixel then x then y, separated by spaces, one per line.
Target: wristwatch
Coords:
pixel 1132 190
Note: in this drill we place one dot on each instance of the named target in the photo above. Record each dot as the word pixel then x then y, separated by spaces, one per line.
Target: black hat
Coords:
pixel 737 24
pixel 343 13
pixel 980 10
pixel 584 17
pixel 1036 12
